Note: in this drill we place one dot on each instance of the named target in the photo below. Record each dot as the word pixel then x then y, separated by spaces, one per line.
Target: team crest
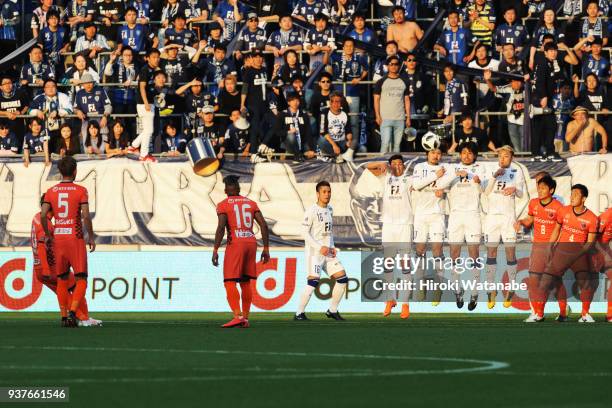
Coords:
pixel 583 224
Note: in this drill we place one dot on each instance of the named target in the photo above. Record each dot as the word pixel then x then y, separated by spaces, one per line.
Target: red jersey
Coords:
pixel 544 218
pixel 36 240
pixel 65 200
pixel 605 226
pixel 240 212
pixel 576 227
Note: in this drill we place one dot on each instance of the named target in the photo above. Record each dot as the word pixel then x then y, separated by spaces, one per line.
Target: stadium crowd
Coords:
pixel 314 78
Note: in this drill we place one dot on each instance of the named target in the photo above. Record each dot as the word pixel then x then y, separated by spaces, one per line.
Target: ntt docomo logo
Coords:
pixel 19 288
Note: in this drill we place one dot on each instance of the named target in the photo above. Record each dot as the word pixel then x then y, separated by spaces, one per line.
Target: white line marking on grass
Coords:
pixel 482 365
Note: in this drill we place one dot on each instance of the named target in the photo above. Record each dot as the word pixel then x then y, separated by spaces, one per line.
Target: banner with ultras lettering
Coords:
pixel 165 203
pixel 171 281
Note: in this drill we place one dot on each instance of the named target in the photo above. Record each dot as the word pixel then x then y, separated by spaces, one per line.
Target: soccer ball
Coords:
pixel 430 141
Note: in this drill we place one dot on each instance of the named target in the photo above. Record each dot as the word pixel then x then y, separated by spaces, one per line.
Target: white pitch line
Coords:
pixel 484 365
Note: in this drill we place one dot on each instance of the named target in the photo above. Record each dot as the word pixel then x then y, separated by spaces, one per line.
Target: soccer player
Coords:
pixel 465 188
pixel 320 253
pixel 506 184
pixel 396 221
pixel 428 199
pixel 236 214
pixel 573 237
pixel 69 203
pixel 605 236
pixel 542 216
pixel 44 262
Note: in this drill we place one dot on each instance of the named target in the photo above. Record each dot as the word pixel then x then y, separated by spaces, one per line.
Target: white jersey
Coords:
pixel 317 228
pixel 425 183
pixel 396 207
pixel 500 203
pixel 464 193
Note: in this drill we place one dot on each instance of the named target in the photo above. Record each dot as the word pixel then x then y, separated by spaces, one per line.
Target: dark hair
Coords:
pixel 550 46
pixel 36 46
pixel 594 76
pixel 124 139
pixel 453 11
pixel 348 39
pixel 42 199
pixel 481 45
pixel 359 15
pixel 49 80
pixel 167 125
pixel 220 46
pixel 549 181
pixel 396 157
pixel 449 65
pixel 52 13
pixel 88 138
pixel 583 189
pixel 510 8
pixel 37 120
pixel 127 48
pixel 465 113
pixel 290 51
pixel 394 9
pixel 321 16
pixel 291 96
pixel 153 51
pixel 131 8
pixel 391 42
pixel 74 140
pixel 336 94
pixel 325 74
pixel 541 20
pixel 471 146
pixel 322 183
pixel 67 166
pixel 231 180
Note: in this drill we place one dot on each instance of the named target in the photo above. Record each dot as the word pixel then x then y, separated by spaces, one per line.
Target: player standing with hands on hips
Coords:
pixel 70 205
pixel 236 214
pixel 320 253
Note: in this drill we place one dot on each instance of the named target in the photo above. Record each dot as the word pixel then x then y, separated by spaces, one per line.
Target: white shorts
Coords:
pixel 393 233
pixel 464 227
pixel 317 263
pixel 499 227
pixel 429 227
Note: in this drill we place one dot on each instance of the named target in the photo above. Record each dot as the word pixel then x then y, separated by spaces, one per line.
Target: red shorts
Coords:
pixel 540 257
pixel 565 256
pixel 52 283
pixel 239 262
pixel 70 253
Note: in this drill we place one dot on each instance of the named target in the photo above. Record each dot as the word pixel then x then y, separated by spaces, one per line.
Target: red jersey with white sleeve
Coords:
pixel 240 212
pixel 65 200
pixel 544 218
pixel 576 227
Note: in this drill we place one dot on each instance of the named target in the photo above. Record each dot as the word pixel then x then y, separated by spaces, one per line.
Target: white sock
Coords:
pixel 337 294
pixel 404 295
pixel 389 278
pixel 305 298
pixel 512 272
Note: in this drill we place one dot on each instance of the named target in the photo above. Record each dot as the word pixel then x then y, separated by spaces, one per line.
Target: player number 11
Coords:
pixel 246 218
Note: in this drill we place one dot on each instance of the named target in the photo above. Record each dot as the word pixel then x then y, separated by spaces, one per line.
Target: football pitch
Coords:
pixel 185 360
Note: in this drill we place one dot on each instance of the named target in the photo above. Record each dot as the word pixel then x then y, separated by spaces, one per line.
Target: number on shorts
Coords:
pixel 543 229
pixel 246 218
pixel 62 202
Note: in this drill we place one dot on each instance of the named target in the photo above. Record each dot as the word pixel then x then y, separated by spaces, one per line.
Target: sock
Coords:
pixel 491 270
pixel 62 296
pixel 78 294
pixel 609 314
pixel 337 293
pixel 389 294
pixel 247 298
pixel 306 294
pixel 439 271
pixel 586 297
pixel 233 297
pixel 562 299
pixel 404 294
pixel 456 276
pixel 511 270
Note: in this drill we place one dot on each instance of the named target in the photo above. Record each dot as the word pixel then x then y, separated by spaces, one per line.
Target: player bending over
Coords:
pixel 573 237
pixel 236 214
pixel 321 254
pixel 69 204
pixel 396 223
pixel 506 184
pixel 464 181
pixel 428 199
pixel 44 263
pixel 542 216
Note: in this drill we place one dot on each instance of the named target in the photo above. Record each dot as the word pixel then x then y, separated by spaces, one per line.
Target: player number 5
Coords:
pixel 62 202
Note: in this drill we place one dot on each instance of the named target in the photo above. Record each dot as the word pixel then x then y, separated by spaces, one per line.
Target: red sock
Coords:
pixel 531 291
pixel 233 297
pixel 586 297
pixel 562 299
pixel 609 314
pixel 82 312
pixel 78 294
pixel 62 296
pixel 247 298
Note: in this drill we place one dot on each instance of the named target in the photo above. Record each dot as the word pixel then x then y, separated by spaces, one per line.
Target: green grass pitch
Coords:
pixel 186 360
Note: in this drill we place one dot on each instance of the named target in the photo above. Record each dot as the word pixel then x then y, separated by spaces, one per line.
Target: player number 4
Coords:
pixel 246 218
pixel 62 202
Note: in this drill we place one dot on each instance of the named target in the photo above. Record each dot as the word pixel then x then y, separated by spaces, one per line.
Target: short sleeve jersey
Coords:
pixel 544 218
pixel 66 199
pixel 576 227
pixel 240 212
